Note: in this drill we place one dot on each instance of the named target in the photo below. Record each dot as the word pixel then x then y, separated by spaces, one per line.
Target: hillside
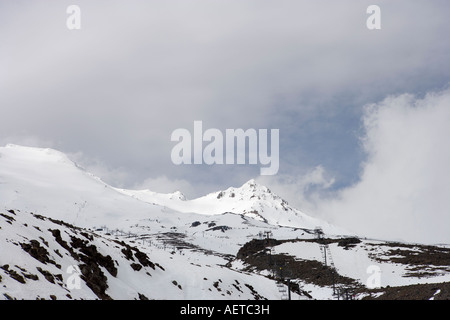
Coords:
pixel 41 258
pixel 59 223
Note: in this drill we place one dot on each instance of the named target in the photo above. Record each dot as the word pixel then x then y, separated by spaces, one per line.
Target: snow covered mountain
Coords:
pixel 43 258
pixel 60 224
pixel 46 180
pixel 250 200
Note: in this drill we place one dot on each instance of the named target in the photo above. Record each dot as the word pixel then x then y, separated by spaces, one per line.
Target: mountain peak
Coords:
pixel 250 182
pixel 177 195
pixel 253 186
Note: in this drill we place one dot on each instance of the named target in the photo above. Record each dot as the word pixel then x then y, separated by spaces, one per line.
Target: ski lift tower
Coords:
pixel 327 258
pixel 268 234
pixel 320 239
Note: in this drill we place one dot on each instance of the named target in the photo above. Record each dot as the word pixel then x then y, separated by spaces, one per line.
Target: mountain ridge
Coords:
pixel 51 169
pixel 238 243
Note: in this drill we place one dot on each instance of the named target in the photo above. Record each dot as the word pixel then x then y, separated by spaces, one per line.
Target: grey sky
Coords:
pixel 111 93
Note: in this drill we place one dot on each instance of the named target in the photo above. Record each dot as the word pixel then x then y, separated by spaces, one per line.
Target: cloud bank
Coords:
pixel 112 93
pixel 404 187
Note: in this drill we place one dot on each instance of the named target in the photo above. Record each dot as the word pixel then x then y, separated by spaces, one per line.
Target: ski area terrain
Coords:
pixel 66 234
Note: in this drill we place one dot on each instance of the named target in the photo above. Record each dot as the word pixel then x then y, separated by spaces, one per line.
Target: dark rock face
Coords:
pixel 13 274
pixel 91 260
pixel 257 255
pixel 348 243
pixel 38 252
pixel 255 246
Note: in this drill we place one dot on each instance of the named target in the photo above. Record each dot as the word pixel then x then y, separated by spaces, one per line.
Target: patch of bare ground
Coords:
pixel 257 256
pixel 436 291
pixel 422 260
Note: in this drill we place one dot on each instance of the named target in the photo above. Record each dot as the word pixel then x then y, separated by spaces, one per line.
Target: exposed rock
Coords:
pixel 13 274
pixel 38 252
pixel 136 266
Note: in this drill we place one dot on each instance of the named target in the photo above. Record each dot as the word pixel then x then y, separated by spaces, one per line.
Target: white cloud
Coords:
pixel 316 177
pixel 301 190
pixel 114 176
pixel 137 70
pixel 404 188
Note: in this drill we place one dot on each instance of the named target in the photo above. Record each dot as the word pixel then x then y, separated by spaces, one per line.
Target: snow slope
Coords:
pixel 250 200
pixel 35 264
pixel 45 183
pixel 192 245
pixel 45 180
pixel 356 262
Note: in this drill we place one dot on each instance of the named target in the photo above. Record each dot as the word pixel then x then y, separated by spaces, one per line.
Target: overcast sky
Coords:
pixel 363 114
